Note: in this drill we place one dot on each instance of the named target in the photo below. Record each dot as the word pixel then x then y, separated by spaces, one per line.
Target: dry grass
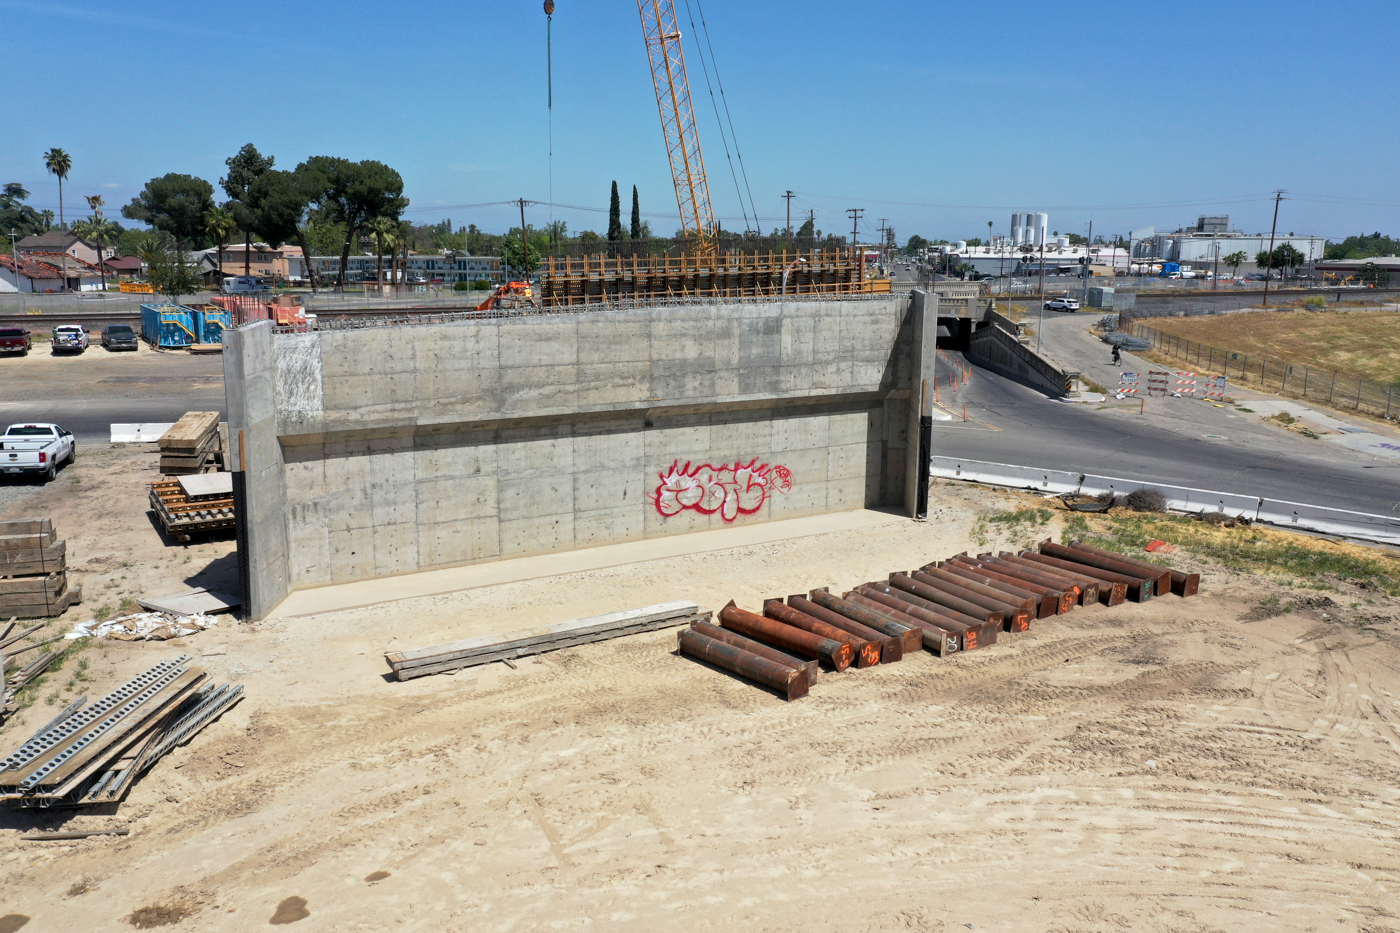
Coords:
pixel 1365 344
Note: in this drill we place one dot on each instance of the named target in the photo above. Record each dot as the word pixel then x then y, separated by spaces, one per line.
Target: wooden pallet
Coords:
pixel 36 606
pixel 182 514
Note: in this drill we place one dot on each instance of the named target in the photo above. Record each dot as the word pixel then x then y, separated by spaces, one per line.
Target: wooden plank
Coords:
pixel 506 654
pixel 76 834
pixel 53 555
pixel 486 643
pixel 50 583
pixel 27 541
pixel 209 484
pixel 191 602
pixel 26 526
pixel 41 609
pixel 190 431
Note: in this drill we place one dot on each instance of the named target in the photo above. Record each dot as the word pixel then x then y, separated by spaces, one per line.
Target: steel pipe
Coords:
pixel 1016 616
pixel 791 682
pixel 941 641
pixel 1078 592
pixel 1139 589
pixel 910 636
pixel 719 633
pixel 891 649
pixel 1182 584
pixel 1110 594
pixel 1052 601
pixel 867 652
pixel 838 654
pixel 1160 578
pixel 976 632
pixel 1041 605
pixel 944 598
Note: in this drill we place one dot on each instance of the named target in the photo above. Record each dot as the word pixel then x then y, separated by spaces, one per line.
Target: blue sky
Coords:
pixel 939 117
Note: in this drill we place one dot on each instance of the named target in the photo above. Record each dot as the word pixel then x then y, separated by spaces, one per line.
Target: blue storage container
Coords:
pixel 168 325
pixel 210 324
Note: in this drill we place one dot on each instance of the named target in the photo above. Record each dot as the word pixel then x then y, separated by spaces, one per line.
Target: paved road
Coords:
pixel 91 419
pixel 1178 441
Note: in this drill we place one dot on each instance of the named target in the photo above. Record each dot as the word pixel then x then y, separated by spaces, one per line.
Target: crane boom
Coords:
pixel 663 38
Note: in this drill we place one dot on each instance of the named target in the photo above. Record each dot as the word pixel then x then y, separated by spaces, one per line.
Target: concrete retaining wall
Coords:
pixel 379 451
pixel 1001 352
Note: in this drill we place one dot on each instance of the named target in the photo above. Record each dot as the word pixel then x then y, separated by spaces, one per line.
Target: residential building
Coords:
pixel 426 266
pixel 64 241
pixel 48 272
pixel 124 266
pixel 282 264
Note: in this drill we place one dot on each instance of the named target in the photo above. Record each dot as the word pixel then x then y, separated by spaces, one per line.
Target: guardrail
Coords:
pixel 1284 513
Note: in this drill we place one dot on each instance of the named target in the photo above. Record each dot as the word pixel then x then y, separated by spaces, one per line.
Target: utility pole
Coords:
pixel 1215 276
pixel 1088 244
pixel 1278 196
pixel 524 241
pixel 855 213
pixel 788 197
pixel 1040 232
pixel 883 221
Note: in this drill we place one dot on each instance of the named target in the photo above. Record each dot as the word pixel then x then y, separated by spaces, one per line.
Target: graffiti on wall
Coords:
pixel 733 490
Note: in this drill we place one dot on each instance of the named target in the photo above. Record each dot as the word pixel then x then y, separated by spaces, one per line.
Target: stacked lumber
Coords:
pixel 93 753
pixel 456 655
pixel 194 504
pixel 945 607
pixel 33 570
pixel 17 674
pixel 190 443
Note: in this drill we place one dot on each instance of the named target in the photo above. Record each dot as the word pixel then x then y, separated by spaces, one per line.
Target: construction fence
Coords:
pixel 1325 387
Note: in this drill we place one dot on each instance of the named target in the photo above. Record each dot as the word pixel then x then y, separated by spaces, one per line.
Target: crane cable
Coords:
pixel 699 51
pixel 699 5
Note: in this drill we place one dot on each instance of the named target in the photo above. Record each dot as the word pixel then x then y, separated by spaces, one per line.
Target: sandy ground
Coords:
pixel 1148 767
pixel 97 372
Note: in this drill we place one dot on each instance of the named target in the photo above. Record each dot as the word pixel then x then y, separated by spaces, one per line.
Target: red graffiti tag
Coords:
pixel 734 490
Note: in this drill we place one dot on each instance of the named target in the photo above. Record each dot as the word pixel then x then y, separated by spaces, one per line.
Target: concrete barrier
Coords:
pixel 138 433
pixel 1283 513
pixel 1001 352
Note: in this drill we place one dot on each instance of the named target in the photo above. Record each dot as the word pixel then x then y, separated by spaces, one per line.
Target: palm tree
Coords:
pixel 380 228
pixel 48 219
pixel 97 228
pixel 95 202
pixel 220 224
pixel 59 163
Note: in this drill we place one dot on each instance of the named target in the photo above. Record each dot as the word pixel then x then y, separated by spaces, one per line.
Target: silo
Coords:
pixel 1042 225
pixel 1018 229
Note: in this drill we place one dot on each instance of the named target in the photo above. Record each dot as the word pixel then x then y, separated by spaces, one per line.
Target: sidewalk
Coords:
pixel 455 579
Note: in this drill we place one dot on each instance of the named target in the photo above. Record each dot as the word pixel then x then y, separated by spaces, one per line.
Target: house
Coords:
pixel 124 266
pixel 64 241
pixel 426 267
pixel 49 272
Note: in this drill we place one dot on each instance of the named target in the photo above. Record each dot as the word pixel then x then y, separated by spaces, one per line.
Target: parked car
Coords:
pixel 69 338
pixel 118 337
pixel 15 340
pixel 243 285
pixel 1062 304
pixel 36 448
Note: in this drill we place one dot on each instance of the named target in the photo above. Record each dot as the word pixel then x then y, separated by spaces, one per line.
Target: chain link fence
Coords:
pixel 1323 386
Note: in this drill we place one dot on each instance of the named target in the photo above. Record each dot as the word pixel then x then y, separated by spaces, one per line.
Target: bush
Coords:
pixel 1147 500
pixel 462 287
pixel 1316 302
pixel 482 285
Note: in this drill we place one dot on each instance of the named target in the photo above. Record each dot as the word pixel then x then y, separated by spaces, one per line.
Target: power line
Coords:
pixel 699 5
pixel 700 52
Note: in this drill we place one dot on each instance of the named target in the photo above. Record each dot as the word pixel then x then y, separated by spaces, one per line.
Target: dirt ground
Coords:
pixel 1157 767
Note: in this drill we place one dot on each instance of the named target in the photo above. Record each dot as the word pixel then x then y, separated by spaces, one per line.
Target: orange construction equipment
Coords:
pixel 509 295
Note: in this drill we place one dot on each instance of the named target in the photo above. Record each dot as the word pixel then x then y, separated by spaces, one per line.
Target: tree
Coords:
pixel 1234 261
pixel 244 168
pixel 172 275
pixel 353 192
pixel 513 255
pixel 220 224
pixel 807 230
pixel 615 231
pixel 175 204
pixel 98 229
pixel 381 228
pixel 1374 275
pixel 915 244
pixel 636 215
pixel 48 219
pixel 59 163
pixel 16 215
pixel 1363 247
pixel 1285 256
pixel 278 203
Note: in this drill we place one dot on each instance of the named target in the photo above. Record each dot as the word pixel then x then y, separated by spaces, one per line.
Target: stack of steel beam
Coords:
pixel 93 753
pixel 946 607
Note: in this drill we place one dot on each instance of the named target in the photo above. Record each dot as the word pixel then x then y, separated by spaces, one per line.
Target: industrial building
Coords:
pixel 1211 237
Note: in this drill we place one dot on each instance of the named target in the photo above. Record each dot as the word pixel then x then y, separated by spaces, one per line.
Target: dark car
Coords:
pixel 15 340
pixel 118 337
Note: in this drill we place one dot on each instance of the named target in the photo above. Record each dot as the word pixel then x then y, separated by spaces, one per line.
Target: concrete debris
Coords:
pixel 145 626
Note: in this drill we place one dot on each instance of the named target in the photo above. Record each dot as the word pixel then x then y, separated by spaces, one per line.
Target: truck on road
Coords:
pixel 36 448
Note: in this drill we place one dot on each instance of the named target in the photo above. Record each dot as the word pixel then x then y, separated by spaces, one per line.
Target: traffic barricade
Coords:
pixel 1128 384
pixel 1157 382
pixel 1215 388
pixel 1185 385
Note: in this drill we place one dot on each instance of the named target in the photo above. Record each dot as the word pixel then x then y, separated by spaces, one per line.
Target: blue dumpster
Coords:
pixel 168 325
pixel 210 324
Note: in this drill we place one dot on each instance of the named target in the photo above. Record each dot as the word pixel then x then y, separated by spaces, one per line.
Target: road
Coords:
pixel 1178 441
pixel 90 419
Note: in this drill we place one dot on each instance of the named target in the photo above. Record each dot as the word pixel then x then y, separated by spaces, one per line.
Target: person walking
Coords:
pixel 1117 356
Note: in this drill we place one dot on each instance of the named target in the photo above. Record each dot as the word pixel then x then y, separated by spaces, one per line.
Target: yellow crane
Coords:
pixel 663 38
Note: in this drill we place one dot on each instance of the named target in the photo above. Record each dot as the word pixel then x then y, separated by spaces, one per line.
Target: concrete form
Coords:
pixel 376 451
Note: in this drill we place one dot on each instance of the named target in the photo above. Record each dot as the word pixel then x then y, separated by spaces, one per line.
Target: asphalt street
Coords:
pixel 90 419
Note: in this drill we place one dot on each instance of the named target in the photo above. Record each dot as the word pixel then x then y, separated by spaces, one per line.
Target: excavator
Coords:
pixel 509 295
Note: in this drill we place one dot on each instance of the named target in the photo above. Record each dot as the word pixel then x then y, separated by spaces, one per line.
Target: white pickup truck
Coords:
pixel 36 448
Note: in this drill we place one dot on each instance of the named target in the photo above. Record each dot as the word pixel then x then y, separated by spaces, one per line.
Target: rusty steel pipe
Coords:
pixel 1110 594
pixel 891 649
pixel 1015 615
pixel 1130 586
pixel 911 637
pixel 1052 601
pixel 941 641
pixel 1073 590
pixel 944 598
pixel 1160 578
pixel 791 682
pixel 974 632
pixel 867 653
pixel 719 633
pixel 1182 584
pixel 770 631
pixel 1139 587
pixel 1041 605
